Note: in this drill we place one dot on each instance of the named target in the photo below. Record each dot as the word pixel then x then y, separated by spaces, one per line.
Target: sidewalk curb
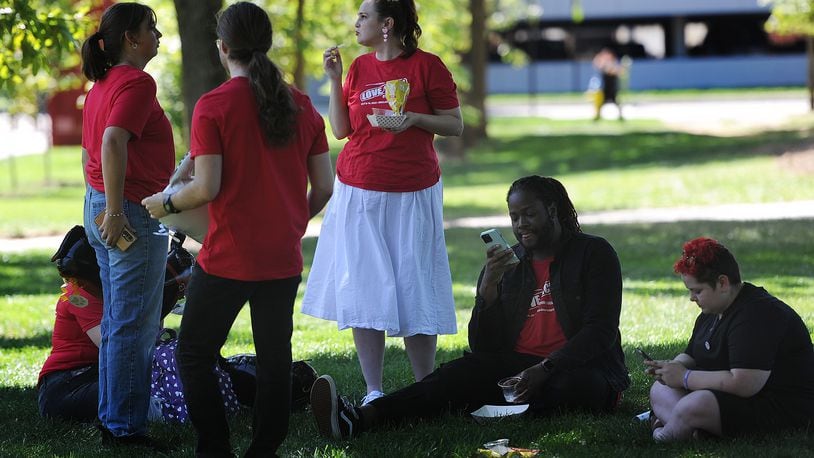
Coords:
pixel 802 209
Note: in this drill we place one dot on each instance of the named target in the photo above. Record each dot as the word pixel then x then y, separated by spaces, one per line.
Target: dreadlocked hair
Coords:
pixel 549 191
pixel 247 31
pixel 706 259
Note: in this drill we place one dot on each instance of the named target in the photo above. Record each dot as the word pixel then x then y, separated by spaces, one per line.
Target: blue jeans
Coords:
pixel 132 285
pixel 212 305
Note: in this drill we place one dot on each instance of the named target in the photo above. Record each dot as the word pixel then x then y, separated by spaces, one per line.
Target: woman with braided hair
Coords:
pixel 749 364
pixel 257 143
pixel 551 320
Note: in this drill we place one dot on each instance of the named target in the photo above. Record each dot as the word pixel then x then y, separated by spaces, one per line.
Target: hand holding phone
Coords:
pixel 493 237
pixel 644 355
pixel 650 364
pixel 125 239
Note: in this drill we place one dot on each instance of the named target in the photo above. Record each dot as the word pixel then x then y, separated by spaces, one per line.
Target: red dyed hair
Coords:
pixel 706 259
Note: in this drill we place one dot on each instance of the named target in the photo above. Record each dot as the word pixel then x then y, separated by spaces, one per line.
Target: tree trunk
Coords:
pixel 201 70
pixel 475 129
pixel 299 57
pixel 810 60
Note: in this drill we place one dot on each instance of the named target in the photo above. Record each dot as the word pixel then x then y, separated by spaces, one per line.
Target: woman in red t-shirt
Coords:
pixel 127 154
pixel 256 143
pixel 381 262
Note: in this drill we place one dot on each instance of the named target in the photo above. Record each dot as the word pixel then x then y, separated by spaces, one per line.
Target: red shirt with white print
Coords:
pixel 541 334
pixel 376 159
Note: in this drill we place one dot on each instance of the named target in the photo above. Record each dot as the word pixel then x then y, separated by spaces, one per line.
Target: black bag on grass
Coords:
pixel 242 369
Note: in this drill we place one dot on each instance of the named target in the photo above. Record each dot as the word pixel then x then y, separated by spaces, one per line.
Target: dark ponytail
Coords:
pixel 405 22
pixel 103 49
pixel 247 32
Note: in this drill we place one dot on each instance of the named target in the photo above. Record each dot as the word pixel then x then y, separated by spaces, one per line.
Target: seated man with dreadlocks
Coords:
pixel 552 320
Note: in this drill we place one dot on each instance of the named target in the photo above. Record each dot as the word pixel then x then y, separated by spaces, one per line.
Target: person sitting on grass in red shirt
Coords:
pixel 551 319
pixel 68 383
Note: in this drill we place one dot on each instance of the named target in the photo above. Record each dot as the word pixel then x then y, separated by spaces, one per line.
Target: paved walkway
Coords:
pixel 803 209
pixel 693 113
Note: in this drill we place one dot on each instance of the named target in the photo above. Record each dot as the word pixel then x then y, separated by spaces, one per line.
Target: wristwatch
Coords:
pixel 169 207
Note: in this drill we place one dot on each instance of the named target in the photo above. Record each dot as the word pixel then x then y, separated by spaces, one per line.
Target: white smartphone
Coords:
pixel 492 237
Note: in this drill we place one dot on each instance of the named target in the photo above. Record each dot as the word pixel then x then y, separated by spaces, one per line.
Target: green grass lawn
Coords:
pixel 604 166
pixel 656 315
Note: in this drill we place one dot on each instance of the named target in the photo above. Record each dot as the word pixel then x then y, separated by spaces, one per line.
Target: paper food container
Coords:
pixel 489 413
pixel 385 121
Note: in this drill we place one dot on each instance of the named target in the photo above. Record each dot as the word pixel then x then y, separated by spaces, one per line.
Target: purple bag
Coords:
pixel 165 384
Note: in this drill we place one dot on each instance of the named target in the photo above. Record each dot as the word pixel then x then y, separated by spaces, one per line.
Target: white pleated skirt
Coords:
pixel 381 263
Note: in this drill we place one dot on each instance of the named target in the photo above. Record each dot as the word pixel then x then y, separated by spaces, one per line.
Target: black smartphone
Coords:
pixel 643 354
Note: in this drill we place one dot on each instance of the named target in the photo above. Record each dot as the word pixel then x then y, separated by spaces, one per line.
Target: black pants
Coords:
pixel 70 394
pixel 212 306
pixel 466 383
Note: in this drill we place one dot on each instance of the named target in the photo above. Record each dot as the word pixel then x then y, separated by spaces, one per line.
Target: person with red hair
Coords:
pixel 749 364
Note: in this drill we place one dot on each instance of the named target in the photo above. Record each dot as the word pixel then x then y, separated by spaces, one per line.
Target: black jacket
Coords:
pixel 586 286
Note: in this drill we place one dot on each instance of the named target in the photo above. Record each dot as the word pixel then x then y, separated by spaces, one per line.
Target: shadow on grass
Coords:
pixel 23 433
pixel 42 340
pixel 569 434
pixel 506 156
pixel 28 273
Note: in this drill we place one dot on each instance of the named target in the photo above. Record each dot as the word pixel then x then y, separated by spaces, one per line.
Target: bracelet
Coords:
pixel 686 377
pixel 115 215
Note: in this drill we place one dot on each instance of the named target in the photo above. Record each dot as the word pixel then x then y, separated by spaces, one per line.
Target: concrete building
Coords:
pixel 670 44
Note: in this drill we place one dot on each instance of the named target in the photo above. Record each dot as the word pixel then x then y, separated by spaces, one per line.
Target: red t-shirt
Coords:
pixel 71 348
pixel 258 218
pixel 125 98
pixel 541 334
pixel 379 160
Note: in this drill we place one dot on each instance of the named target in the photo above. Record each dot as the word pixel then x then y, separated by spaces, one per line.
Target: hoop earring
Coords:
pixel 384 34
pixel 134 45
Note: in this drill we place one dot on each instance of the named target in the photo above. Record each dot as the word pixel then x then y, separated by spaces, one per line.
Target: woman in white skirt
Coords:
pixel 381 263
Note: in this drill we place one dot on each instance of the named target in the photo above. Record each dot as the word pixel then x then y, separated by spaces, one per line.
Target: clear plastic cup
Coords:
pixel 508 385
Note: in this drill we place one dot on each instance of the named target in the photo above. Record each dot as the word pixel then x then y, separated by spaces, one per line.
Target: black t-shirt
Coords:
pixel 758 331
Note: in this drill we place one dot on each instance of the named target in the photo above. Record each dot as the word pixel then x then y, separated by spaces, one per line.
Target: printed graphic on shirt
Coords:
pixel 541 301
pixel 78 300
pixel 541 334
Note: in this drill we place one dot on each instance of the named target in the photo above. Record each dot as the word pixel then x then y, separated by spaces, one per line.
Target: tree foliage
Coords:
pixel 41 38
pixel 791 16
pixel 39 42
